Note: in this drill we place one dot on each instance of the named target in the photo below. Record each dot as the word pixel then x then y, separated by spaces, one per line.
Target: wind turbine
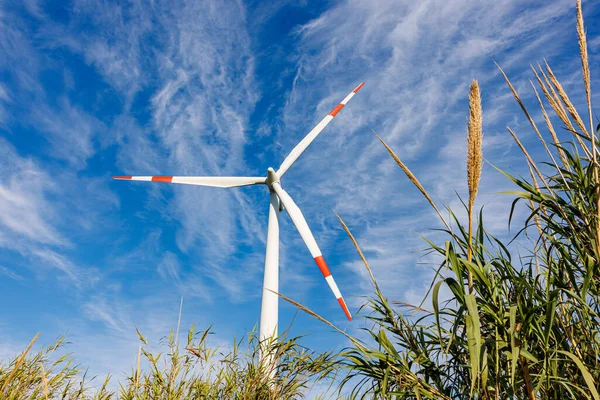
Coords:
pixel 280 200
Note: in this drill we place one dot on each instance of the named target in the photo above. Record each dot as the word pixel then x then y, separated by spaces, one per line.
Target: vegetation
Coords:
pixel 199 372
pixel 512 326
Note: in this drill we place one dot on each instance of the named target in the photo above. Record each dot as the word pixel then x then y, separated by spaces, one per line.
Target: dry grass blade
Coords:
pixel 536 217
pixel 408 305
pixel 317 316
pixel 360 253
pixel 413 179
pixel 195 352
pixel 529 159
pixel 44 381
pixel 18 363
pixel 137 370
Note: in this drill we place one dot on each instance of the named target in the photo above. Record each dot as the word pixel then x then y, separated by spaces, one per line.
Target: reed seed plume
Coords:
pixel 474 159
pixel 474 141
pixel 137 370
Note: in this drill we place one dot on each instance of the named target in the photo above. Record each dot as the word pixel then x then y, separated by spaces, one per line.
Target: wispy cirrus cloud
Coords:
pixel 71 133
pixel 10 273
pixel 212 88
pixel 24 208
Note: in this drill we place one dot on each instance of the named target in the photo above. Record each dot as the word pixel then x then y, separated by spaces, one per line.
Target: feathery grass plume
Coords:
pixel 549 125
pixel 201 372
pixel 137 369
pixel 553 98
pixel 474 140
pixel 529 118
pixel 567 102
pixel 474 160
pixel 557 103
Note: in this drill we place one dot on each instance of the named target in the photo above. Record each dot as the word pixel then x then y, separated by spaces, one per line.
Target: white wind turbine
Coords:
pixel 280 200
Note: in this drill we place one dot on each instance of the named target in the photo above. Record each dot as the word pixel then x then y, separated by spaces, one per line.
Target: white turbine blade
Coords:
pixel 300 147
pixel 214 181
pixel 298 220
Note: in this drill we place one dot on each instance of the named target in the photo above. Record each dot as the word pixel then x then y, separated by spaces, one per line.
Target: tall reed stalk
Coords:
pixel 474 160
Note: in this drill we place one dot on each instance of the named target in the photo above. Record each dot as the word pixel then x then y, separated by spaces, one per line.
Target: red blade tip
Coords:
pixel 358 87
pixel 122 177
pixel 345 308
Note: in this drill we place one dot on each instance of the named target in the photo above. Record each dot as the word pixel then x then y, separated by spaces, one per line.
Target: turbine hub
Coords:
pixel 272 177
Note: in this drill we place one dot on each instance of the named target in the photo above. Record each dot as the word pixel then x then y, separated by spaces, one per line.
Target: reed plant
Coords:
pixel 513 326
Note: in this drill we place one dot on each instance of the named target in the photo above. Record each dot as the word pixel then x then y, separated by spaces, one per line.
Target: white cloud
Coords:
pixel 42 211
pixel 10 273
pixel 24 208
pixel 4 100
pixel 71 132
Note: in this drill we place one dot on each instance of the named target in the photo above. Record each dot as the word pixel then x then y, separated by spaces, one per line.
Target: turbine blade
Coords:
pixel 300 147
pixel 300 223
pixel 214 181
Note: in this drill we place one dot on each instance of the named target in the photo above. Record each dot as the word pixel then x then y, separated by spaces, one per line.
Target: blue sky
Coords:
pixel 91 89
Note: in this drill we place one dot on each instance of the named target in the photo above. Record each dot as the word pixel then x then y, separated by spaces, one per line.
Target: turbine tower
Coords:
pixel 280 200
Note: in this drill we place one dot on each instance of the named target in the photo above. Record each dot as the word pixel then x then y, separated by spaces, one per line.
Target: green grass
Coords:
pixel 193 371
